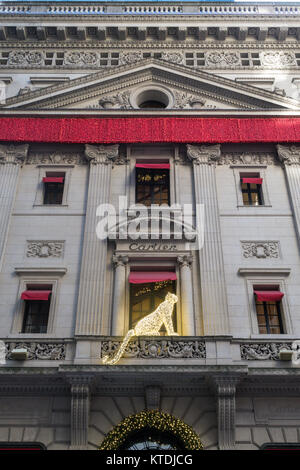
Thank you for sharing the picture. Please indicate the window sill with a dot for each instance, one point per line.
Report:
(50, 205)
(254, 207)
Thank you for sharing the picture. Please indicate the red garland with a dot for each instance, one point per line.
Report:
(149, 130)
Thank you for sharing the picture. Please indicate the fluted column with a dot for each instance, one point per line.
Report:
(289, 155)
(118, 319)
(212, 276)
(80, 410)
(11, 159)
(93, 267)
(186, 293)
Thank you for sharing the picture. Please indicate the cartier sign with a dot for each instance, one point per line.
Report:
(151, 247)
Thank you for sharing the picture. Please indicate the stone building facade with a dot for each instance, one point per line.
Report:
(224, 374)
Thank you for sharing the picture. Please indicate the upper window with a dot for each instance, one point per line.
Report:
(53, 188)
(269, 309)
(251, 189)
(37, 305)
(153, 184)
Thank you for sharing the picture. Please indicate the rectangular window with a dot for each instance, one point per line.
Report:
(251, 185)
(53, 188)
(269, 311)
(37, 300)
(152, 184)
(145, 298)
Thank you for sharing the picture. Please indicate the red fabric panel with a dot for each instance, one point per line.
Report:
(149, 129)
(140, 277)
(252, 180)
(155, 166)
(35, 295)
(53, 179)
(268, 295)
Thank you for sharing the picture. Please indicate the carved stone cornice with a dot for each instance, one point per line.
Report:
(101, 154)
(120, 260)
(13, 154)
(288, 154)
(204, 154)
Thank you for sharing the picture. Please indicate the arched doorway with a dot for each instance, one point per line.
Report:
(151, 430)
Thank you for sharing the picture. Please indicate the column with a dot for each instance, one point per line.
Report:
(94, 255)
(80, 410)
(225, 388)
(186, 293)
(212, 276)
(11, 159)
(118, 319)
(289, 156)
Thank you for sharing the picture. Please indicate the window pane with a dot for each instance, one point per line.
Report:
(36, 316)
(246, 199)
(53, 193)
(152, 186)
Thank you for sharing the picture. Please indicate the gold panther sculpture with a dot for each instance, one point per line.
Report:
(149, 326)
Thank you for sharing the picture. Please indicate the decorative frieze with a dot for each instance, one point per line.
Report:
(45, 249)
(160, 348)
(39, 351)
(263, 351)
(55, 158)
(259, 250)
(247, 159)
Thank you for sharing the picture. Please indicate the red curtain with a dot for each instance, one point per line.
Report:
(268, 295)
(154, 166)
(35, 295)
(53, 179)
(141, 277)
(252, 180)
(149, 130)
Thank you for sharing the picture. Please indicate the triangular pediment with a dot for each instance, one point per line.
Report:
(184, 88)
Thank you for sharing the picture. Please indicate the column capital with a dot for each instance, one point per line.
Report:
(101, 154)
(204, 154)
(119, 260)
(288, 154)
(185, 260)
(14, 154)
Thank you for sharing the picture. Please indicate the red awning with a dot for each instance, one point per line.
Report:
(154, 166)
(52, 179)
(35, 295)
(141, 277)
(268, 295)
(252, 180)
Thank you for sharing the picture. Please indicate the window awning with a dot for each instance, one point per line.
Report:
(153, 166)
(268, 295)
(141, 277)
(35, 295)
(52, 179)
(252, 180)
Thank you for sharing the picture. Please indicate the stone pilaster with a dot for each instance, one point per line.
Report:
(118, 316)
(225, 388)
(213, 287)
(186, 293)
(11, 159)
(80, 410)
(93, 267)
(289, 155)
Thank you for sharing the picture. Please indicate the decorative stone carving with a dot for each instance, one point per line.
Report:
(204, 154)
(39, 351)
(79, 58)
(80, 407)
(175, 57)
(156, 349)
(185, 260)
(101, 154)
(222, 59)
(120, 101)
(260, 249)
(263, 351)
(25, 58)
(120, 260)
(55, 158)
(257, 158)
(13, 154)
(130, 57)
(45, 249)
(277, 59)
(186, 100)
(289, 155)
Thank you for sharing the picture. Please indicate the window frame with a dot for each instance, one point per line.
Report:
(27, 308)
(42, 173)
(244, 170)
(152, 186)
(266, 316)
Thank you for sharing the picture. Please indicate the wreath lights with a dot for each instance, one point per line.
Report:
(160, 421)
